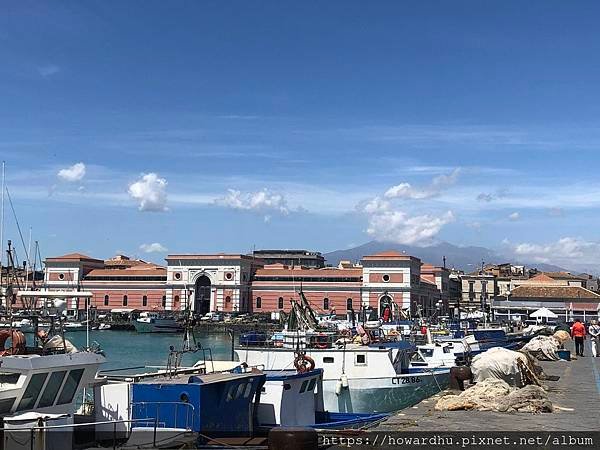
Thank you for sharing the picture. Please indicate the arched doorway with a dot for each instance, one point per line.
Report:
(202, 295)
(385, 303)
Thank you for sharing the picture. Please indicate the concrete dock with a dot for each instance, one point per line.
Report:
(575, 396)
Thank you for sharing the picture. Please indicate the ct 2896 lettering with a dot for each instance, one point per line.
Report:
(405, 380)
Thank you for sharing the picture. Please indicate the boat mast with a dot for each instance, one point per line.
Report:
(2, 228)
(28, 267)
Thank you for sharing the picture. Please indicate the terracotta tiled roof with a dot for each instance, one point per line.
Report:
(541, 279)
(126, 263)
(553, 292)
(71, 256)
(389, 254)
(563, 276)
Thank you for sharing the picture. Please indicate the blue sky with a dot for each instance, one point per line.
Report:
(219, 126)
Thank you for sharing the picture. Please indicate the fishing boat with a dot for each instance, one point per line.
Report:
(152, 322)
(41, 377)
(370, 377)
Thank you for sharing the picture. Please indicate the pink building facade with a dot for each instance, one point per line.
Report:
(242, 283)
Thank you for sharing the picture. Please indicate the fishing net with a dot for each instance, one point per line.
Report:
(562, 336)
(500, 363)
(493, 394)
(544, 348)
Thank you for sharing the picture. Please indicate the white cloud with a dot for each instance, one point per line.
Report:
(397, 226)
(435, 188)
(374, 205)
(514, 216)
(155, 247)
(567, 251)
(48, 70)
(150, 192)
(76, 172)
(389, 222)
(260, 201)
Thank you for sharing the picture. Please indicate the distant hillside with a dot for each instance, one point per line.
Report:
(463, 258)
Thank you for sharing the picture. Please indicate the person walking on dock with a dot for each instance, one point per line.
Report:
(578, 333)
(594, 331)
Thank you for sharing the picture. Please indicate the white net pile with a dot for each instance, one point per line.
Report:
(493, 394)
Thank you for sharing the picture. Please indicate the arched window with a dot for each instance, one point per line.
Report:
(349, 304)
(124, 300)
(227, 299)
(258, 302)
(145, 300)
(280, 302)
(106, 298)
(164, 301)
(326, 303)
(176, 299)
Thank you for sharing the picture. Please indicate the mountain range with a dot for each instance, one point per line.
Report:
(467, 258)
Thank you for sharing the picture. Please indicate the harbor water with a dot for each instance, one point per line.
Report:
(125, 349)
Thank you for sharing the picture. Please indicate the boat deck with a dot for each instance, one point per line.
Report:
(575, 396)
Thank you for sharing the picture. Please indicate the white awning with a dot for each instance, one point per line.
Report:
(123, 310)
(55, 294)
(543, 312)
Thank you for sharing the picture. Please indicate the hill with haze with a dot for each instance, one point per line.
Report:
(467, 258)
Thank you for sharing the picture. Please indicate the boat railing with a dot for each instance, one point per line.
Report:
(175, 358)
(202, 363)
(37, 433)
(169, 410)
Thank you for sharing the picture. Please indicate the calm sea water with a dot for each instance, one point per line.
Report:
(129, 348)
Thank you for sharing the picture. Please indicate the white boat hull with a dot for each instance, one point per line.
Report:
(381, 395)
(373, 385)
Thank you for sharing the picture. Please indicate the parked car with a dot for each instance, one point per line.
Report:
(211, 317)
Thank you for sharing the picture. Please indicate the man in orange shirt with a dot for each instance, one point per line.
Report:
(578, 333)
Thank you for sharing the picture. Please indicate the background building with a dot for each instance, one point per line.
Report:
(245, 283)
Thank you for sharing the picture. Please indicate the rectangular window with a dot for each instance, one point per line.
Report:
(52, 388)
(106, 300)
(9, 378)
(6, 405)
(258, 302)
(164, 301)
(70, 387)
(124, 300)
(280, 303)
(361, 359)
(32, 391)
(328, 360)
(145, 300)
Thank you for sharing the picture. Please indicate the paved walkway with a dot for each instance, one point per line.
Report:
(576, 398)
